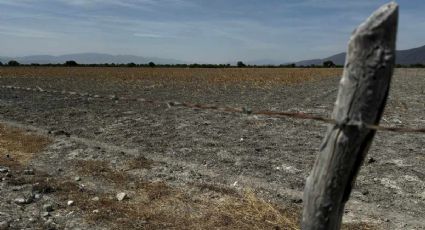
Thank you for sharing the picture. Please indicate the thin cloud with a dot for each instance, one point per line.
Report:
(202, 31)
(143, 35)
(27, 33)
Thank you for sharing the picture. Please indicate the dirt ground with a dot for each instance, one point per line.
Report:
(65, 157)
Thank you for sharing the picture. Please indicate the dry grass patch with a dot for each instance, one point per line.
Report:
(217, 188)
(156, 205)
(157, 77)
(100, 170)
(251, 212)
(18, 147)
(140, 162)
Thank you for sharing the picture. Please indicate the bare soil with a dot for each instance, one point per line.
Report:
(192, 169)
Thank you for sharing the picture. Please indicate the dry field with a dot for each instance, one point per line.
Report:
(191, 169)
(250, 77)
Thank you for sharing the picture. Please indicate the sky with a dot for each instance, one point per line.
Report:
(202, 31)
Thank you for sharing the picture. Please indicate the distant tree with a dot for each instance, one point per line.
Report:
(13, 63)
(292, 65)
(240, 64)
(35, 64)
(151, 64)
(71, 63)
(417, 65)
(1, 63)
(131, 64)
(329, 64)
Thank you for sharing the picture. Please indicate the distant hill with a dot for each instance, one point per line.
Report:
(90, 58)
(403, 57)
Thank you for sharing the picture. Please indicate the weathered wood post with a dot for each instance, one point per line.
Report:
(361, 100)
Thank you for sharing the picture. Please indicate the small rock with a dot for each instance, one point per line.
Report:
(70, 202)
(397, 121)
(371, 160)
(121, 196)
(386, 220)
(96, 211)
(96, 198)
(365, 192)
(206, 123)
(77, 178)
(45, 214)
(48, 207)
(37, 196)
(22, 201)
(4, 170)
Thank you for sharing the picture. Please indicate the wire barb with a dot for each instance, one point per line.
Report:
(242, 110)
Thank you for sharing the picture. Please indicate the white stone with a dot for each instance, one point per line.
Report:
(121, 196)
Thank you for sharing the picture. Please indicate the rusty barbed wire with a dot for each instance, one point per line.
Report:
(241, 110)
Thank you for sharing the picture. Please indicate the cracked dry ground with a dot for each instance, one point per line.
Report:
(192, 169)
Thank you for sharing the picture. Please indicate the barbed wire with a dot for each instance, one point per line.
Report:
(241, 110)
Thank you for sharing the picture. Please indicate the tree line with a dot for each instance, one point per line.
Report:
(239, 64)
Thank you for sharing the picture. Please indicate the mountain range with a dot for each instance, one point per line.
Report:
(403, 57)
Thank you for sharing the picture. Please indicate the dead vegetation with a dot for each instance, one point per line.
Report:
(139, 162)
(254, 77)
(156, 205)
(99, 170)
(18, 147)
(152, 204)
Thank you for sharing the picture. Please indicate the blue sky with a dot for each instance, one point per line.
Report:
(213, 31)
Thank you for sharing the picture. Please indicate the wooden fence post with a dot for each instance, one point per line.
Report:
(361, 100)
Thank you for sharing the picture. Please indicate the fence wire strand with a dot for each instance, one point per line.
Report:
(241, 110)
